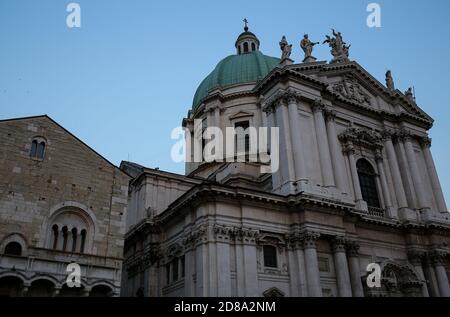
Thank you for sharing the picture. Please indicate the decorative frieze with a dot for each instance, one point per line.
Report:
(364, 137)
(350, 89)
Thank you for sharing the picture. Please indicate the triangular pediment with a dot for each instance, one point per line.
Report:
(241, 114)
(350, 83)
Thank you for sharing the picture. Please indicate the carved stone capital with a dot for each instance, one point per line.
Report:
(416, 257)
(330, 114)
(404, 135)
(437, 257)
(245, 235)
(425, 142)
(294, 241)
(309, 239)
(352, 248)
(292, 96)
(222, 233)
(197, 235)
(387, 135)
(378, 155)
(349, 149)
(338, 244)
(318, 106)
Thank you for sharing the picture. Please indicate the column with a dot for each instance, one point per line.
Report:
(276, 176)
(250, 269)
(212, 269)
(360, 203)
(438, 261)
(240, 273)
(201, 268)
(286, 159)
(384, 184)
(434, 179)
(322, 140)
(312, 265)
(297, 267)
(189, 271)
(417, 178)
(294, 124)
(223, 264)
(301, 270)
(293, 270)
(335, 150)
(415, 257)
(341, 267)
(354, 268)
(405, 172)
(395, 171)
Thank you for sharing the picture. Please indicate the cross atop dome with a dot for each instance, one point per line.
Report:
(246, 25)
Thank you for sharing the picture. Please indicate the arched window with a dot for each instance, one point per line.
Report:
(83, 240)
(253, 47)
(70, 229)
(270, 256)
(367, 181)
(65, 236)
(239, 50)
(74, 239)
(13, 248)
(37, 149)
(55, 230)
(33, 148)
(245, 47)
(40, 150)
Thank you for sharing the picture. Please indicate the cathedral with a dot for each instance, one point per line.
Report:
(353, 207)
(356, 187)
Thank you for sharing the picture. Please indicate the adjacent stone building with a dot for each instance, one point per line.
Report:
(356, 185)
(60, 202)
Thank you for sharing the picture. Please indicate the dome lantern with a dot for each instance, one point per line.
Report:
(247, 42)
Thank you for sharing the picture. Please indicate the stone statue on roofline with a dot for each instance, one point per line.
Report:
(307, 47)
(409, 94)
(339, 49)
(286, 50)
(389, 81)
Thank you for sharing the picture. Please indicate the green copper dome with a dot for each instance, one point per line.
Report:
(236, 69)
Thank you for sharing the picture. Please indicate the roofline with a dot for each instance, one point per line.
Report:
(68, 132)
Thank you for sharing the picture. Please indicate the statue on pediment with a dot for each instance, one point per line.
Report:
(339, 49)
(410, 95)
(286, 48)
(307, 47)
(389, 81)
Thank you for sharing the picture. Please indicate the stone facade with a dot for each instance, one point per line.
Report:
(356, 185)
(59, 204)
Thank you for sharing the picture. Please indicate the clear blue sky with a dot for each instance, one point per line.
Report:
(127, 77)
